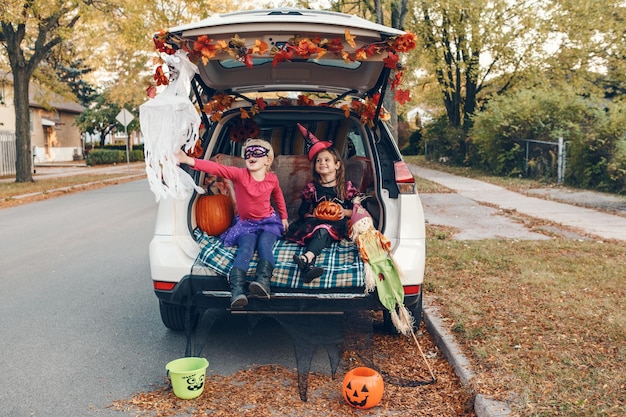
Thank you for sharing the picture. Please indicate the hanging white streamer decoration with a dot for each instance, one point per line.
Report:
(168, 122)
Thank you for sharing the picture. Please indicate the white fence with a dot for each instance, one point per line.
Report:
(7, 153)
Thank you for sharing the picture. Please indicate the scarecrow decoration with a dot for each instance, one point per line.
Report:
(168, 122)
(381, 271)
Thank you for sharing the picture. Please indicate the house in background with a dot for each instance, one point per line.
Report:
(54, 136)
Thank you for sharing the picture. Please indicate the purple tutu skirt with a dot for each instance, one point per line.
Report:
(271, 224)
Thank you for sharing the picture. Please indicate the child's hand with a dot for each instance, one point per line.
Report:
(285, 224)
(182, 158)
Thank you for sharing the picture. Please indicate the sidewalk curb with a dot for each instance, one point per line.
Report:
(483, 406)
(76, 186)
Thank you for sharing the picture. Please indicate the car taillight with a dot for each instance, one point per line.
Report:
(412, 289)
(164, 286)
(404, 178)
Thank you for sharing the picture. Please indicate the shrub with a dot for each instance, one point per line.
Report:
(509, 129)
(414, 145)
(442, 142)
(598, 160)
(112, 156)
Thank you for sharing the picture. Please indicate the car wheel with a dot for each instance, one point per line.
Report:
(174, 316)
(416, 312)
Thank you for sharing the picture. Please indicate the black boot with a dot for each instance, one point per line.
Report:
(237, 280)
(261, 286)
(308, 269)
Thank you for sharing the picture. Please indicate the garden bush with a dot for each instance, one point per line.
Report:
(593, 132)
(444, 143)
(112, 156)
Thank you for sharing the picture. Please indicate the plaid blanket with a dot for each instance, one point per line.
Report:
(341, 262)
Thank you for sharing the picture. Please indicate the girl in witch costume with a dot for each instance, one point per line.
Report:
(320, 223)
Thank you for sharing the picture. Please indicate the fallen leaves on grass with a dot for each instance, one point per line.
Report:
(541, 321)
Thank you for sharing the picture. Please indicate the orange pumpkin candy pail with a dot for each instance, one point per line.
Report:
(363, 387)
(328, 210)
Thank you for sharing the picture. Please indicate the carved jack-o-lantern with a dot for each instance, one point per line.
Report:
(214, 213)
(328, 210)
(363, 387)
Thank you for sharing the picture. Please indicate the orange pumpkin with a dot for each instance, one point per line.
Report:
(363, 387)
(214, 213)
(328, 210)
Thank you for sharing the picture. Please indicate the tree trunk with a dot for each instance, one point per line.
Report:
(23, 151)
(103, 134)
(398, 15)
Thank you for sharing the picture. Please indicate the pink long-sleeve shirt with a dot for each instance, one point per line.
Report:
(253, 197)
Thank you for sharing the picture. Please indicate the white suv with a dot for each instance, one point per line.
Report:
(260, 73)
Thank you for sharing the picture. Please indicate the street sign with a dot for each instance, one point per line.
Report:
(124, 117)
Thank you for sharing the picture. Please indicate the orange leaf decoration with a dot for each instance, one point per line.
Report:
(371, 50)
(160, 77)
(247, 60)
(360, 55)
(346, 110)
(282, 55)
(305, 101)
(203, 48)
(259, 48)
(402, 96)
(349, 38)
(391, 61)
(396, 80)
(334, 45)
(197, 150)
(260, 104)
(206, 48)
(405, 43)
(224, 100)
(306, 48)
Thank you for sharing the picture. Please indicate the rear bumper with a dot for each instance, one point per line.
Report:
(213, 292)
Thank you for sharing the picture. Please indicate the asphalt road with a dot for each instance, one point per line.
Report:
(79, 323)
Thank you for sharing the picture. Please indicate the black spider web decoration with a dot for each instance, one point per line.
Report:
(335, 333)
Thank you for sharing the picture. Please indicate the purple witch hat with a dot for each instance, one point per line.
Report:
(312, 144)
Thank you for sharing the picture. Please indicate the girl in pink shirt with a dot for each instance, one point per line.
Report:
(257, 226)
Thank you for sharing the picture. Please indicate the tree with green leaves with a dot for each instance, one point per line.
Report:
(29, 31)
(100, 118)
(122, 48)
(471, 47)
(112, 36)
(70, 68)
(513, 135)
(392, 13)
(588, 39)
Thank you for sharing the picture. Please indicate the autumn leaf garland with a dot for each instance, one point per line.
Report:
(204, 49)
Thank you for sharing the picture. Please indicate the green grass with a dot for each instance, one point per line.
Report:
(512, 183)
(542, 321)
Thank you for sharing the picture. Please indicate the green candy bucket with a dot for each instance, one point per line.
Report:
(187, 376)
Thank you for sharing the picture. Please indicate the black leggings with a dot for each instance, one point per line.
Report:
(320, 240)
